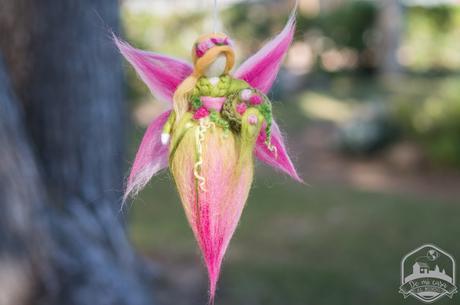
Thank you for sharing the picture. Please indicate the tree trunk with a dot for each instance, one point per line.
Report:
(390, 25)
(67, 75)
(23, 240)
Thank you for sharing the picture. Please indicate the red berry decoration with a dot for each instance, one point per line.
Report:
(241, 108)
(256, 100)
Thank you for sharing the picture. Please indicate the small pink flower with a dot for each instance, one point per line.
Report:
(201, 112)
(255, 100)
(199, 52)
(219, 40)
(246, 94)
(252, 119)
(208, 44)
(204, 46)
(241, 108)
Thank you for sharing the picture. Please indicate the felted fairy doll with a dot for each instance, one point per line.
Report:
(218, 121)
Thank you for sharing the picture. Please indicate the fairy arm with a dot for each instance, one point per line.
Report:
(255, 99)
(167, 128)
(270, 147)
(260, 72)
(252, 122)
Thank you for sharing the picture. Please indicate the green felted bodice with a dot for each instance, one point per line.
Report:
(226, 86)
(230, 88)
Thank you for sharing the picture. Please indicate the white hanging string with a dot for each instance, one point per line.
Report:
(215, 16)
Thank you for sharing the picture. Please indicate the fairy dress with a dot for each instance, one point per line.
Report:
(212, 165)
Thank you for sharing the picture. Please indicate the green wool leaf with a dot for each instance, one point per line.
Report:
(216, 119)
(266, 110)
(196, 103)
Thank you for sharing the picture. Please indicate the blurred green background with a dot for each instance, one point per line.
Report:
(369, 97)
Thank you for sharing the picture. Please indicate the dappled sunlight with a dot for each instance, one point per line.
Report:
(335, 60)
(300, 59)
(325, 107)
(310, 7)
(369, 177)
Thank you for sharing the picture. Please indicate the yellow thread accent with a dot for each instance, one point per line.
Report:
(200, 132)
(273, 149)
(197, 166)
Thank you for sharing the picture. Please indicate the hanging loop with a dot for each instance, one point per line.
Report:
(215, 16)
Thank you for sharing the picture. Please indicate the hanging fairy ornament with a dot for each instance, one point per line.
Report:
(217, 122)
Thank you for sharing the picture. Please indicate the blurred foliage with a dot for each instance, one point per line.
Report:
(427, 41)
(370, 130)
(350, 25)
(251, 23)
(428, 110)
(363, 123)
(430, 38)
(369, 113)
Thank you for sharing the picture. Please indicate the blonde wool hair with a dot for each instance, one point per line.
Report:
(182, 95)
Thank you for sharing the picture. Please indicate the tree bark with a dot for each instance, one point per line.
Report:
(67, 76)
(22, 258)
(390, 26)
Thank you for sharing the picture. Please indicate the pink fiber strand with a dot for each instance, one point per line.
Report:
(279, 158)
(260, 70)
(151, 157)
(220, 210)
(162, 74)
(213, 213)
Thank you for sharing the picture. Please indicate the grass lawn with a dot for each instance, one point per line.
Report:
(304, 244)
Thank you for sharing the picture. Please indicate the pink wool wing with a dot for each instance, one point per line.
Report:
(279, 159)
(162, 74)
(260, 70)
(151, 157)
